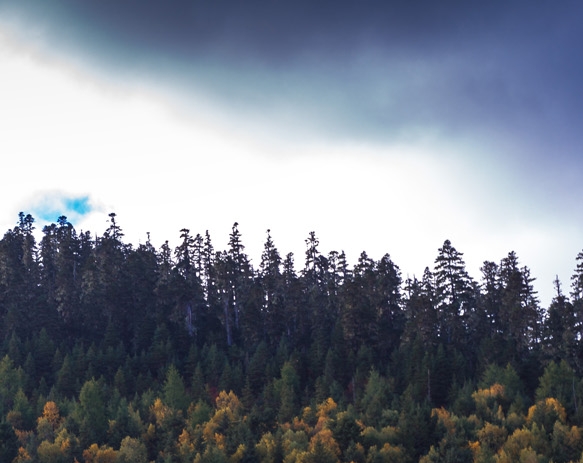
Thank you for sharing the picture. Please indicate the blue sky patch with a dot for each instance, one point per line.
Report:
(78, 205)
(49, 206)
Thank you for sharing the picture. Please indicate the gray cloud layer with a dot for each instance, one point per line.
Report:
(378, 65)
(498, 73)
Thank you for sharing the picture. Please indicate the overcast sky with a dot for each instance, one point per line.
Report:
(384, 126)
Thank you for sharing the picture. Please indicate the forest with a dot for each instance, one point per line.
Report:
(112, 353)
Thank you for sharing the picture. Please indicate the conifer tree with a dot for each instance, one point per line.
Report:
(272, 287)
(454, 294)
(421, 318)
(519, 311)
(559, 335)
(388, 303)
(189, 305)
(174, 391)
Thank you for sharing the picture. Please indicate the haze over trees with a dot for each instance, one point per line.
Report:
(116, 353)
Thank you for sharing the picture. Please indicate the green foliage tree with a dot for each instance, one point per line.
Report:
(8, 443)
(287, 387)
(454, 295)
(421, 317)
(273, 289)
(175, 395)
(375, 353)
(91, 413)
(132, 450)
(559, 329)
(376, 398)
(519, 311)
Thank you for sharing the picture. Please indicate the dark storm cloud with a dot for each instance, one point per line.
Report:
(271, 30)
(380, 69)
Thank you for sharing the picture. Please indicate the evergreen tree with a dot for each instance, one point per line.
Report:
(488, 324)
(388, 303)
(559, 336)
(189, 310)
(272, 287)
(358, 314)
(21, 298)
(421, 317)
(454, 294)
(142, 275)
(295, 314)
(8, 443)
(520, 314)
(174, 391)
(321, 314)
(91, 413)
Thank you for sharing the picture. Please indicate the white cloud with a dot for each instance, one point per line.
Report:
(161, 168)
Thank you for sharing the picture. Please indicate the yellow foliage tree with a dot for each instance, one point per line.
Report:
(519, 440)
(23, 456)
(226, 429)
(186, 445)
(387, 454)
(325, 412)
(228, 401)
(59, 451)
(266, 448)
(160, 411)
(545, 413)
(96, 454)
(49, 422)
(492, 437)
(488, 400)
(52, 414)
(326, 439)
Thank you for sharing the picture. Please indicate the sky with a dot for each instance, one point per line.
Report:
(385, 127)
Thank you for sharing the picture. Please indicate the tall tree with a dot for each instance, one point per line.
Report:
(388, 303)
(104, 294)
(142, 275)
(315, 280)
(189, 308)
(272, 285)
(520, 313)
(20, 295)
(454, 294)
(488, 325)
(559, 329)
(577, 302)
(295, 314)
(421, 320)
(234, 277)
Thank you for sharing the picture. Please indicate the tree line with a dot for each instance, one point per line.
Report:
(116, 353)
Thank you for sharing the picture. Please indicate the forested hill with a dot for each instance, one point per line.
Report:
(115, 353)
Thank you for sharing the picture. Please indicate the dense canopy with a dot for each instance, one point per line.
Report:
(116, 353)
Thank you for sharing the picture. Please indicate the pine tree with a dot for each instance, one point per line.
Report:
(91, 413)
(559, 336)
(519, 311)
(189, 309)
(488, 324)
(421, 317)
(388, 303)
(272, 285)
(295, 313)
(454, 294)
(174, 391)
